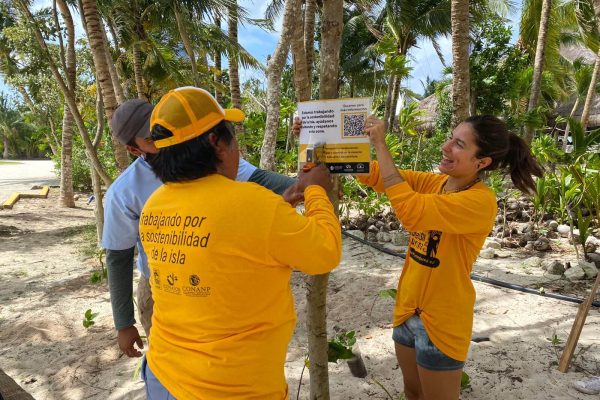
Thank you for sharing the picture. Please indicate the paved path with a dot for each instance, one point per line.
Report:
(21, 175)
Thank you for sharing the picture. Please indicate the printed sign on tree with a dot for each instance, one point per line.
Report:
(333, 133)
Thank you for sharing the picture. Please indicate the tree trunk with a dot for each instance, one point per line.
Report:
(114, 76)
(118, 68)
(310, 11)
(591, 93)
(218, 68)
(274, 70)
(538, 66)
(395, 96)
(68, 95)
(137, 71)
(98, 46)
(52, 140)
(316, 296)
(566, 135)
(187, 43)
(299, 54)
(388, 101)
(66, 158)
(234, 77)
(460, 61)
(6, 144)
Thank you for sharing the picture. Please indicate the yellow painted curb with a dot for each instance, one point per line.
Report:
(42, 194)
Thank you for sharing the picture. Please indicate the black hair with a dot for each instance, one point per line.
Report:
(507, 151)
(189, 160)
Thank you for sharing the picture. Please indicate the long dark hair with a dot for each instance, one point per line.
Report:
(189, 160)
(507, 151)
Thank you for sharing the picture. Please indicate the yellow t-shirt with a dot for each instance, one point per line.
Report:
(447, 233)
(221, 254)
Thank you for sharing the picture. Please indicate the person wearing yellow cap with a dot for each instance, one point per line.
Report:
(221, 253)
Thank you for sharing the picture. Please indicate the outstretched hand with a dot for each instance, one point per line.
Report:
(126, 338)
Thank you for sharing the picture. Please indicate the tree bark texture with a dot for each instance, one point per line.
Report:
(331, 35)
(69, 96)
(299, 54)
(66, 157)
(137, 71)
(461, 84)
(96, 34)
(387, 111)
(395, 96)
(274, 70)
(538, 65)
(310, 12)
(114, 76)
(234, 75)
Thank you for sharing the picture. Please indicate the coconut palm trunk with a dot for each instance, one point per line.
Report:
(388, 101)
(538, 65)
(114, 76)
(461, 83)
(299, 53)
(275, 67)
(591, 93)
(66, 156)
(316, 308)
(310, 12)
(95, 33)
(234, 75)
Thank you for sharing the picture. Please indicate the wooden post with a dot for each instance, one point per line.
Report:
(567, 355)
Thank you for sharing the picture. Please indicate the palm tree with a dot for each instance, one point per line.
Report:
(587, 12)
(461, 84)
(69, 66)
(407, 21)
(332, 24)
(96, 34)
(538, 66)
(275, 66)
(580, 83)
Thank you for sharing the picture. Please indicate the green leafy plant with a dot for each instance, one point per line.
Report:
(99, 276)
(388, 293)
(340, 347)
(88, 318)
(465, 381)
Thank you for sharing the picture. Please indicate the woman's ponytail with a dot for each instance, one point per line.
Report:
(522, 165)
(506, 150)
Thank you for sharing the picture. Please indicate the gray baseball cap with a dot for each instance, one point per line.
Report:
(132, 119)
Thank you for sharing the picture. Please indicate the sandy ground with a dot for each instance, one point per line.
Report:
(45, 290)
(21, 175)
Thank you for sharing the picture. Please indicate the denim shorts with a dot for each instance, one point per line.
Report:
(154, 389)
(412, 334)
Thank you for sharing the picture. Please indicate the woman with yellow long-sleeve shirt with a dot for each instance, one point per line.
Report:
(449, 216)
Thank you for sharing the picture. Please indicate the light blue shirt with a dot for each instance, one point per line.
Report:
(124, 201)
(245, 171)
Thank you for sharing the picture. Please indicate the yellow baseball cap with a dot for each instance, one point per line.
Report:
(188, 112)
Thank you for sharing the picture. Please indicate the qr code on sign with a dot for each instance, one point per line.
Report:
(354, 125)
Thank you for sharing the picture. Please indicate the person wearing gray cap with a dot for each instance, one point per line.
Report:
(124, 201)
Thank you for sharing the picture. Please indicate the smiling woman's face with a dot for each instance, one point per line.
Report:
(458, 153)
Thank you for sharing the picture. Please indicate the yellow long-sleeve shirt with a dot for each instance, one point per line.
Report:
(447, 233)
(221, 254)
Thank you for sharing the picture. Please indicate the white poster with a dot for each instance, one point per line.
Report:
(333, 133)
